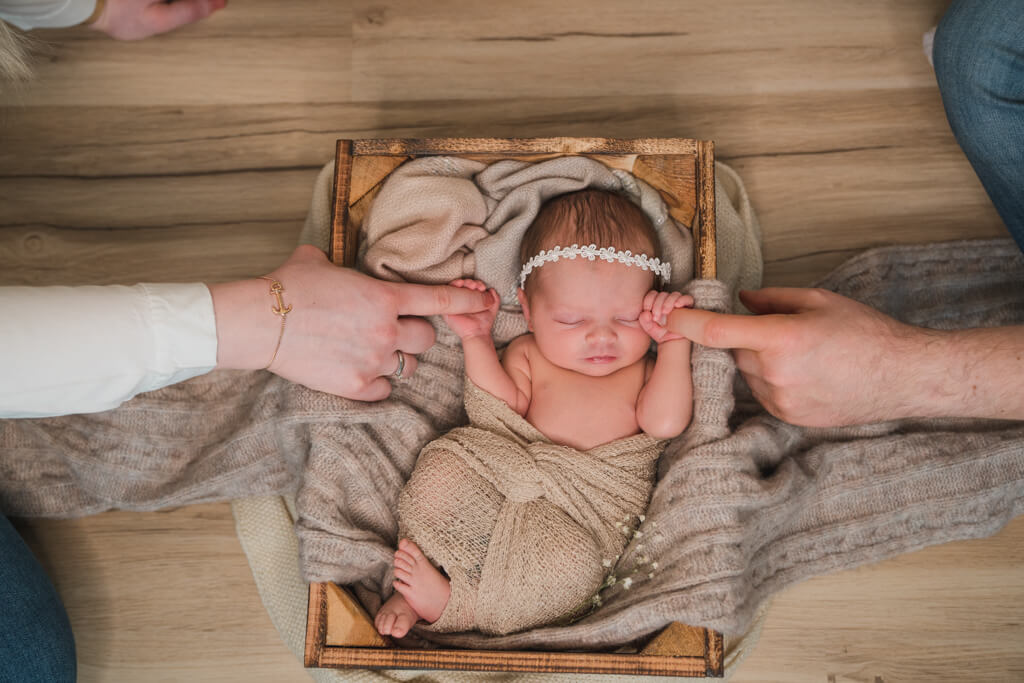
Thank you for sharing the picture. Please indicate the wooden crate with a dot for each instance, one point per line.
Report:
(339, 633)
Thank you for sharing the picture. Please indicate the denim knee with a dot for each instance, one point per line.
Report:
(35, 635)
(979, 60)
(979, 64)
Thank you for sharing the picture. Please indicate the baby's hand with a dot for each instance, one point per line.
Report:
(474, 324)
(657, 305)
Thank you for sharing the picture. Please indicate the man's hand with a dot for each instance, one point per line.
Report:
(137, 19)
(344, 328)
(816, 358)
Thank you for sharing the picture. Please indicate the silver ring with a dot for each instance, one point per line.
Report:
(401, 365)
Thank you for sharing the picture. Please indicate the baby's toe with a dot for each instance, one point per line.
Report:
(403, 623)
(385, 622)
(414, 551)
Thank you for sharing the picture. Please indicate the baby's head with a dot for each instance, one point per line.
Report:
(583, 313)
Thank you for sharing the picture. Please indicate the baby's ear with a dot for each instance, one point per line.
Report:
(525, 303)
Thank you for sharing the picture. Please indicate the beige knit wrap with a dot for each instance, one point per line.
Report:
(526, 529)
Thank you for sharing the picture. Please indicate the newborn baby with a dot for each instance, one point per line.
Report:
(524, 510)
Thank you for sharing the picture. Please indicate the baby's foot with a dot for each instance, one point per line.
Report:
(425, 588)
(395, 617)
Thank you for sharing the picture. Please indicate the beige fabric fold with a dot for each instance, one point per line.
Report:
(526, 529)
(437, 219)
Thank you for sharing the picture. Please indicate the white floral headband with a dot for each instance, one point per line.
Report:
(610, 254)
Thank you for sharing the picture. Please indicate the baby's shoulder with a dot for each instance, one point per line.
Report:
(521, 345)
(519, 353)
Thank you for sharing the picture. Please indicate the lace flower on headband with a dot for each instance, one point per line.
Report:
(591, 252)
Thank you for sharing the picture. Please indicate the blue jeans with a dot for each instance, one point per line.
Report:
(35, 635)
(979, 63)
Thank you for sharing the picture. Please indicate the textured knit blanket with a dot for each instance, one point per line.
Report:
(743, 506)
(526, 529)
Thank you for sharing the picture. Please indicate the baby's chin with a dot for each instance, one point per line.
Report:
(602, 368)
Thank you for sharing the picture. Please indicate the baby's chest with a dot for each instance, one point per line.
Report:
(583, 412)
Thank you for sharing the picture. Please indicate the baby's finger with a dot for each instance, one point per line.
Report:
(685, 301)
(649, 325)
(671, 303)
(649, 299)
(660, 309)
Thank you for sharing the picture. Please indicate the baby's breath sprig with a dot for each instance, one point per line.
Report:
(623, 576)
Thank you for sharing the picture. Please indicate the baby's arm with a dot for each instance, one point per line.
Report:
(482, 363)
(665, 405)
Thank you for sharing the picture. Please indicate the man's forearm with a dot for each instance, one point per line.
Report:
(969, 373)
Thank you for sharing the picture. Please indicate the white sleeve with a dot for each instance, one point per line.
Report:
(86, 349)
(30, 14)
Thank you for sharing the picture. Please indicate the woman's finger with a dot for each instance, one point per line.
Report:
(415, 335)
(407, 365)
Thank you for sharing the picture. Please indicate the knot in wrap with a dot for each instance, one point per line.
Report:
(522, 486)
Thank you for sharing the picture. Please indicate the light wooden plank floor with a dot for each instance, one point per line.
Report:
(191, 156)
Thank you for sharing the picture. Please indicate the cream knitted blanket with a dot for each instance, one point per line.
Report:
(743, 506)
(526, 529)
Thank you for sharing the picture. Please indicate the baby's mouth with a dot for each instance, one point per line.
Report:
(600, 360)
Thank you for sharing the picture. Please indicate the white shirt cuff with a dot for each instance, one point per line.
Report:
(87, 349)
(30, 14)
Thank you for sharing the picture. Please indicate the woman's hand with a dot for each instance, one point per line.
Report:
(137, 19)
(344, 329)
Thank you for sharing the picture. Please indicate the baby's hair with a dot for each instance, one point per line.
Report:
(599, 217)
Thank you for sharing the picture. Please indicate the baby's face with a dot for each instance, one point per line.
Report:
(583, 314)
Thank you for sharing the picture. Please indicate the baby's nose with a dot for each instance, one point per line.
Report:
(600, 334)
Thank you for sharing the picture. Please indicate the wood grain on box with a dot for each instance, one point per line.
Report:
(339, 631)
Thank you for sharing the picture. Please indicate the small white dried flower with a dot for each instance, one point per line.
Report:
(639, 547)
(654, 565)
(626, 583)
(642, 518)
(651, 575)
(606, 563)
(639, 534)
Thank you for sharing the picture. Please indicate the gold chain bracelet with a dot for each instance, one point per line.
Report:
(280, 309)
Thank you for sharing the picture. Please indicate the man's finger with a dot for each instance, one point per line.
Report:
(749, 363)
(781, 299)
(720, 330)
(171, 15)
(438, 299)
